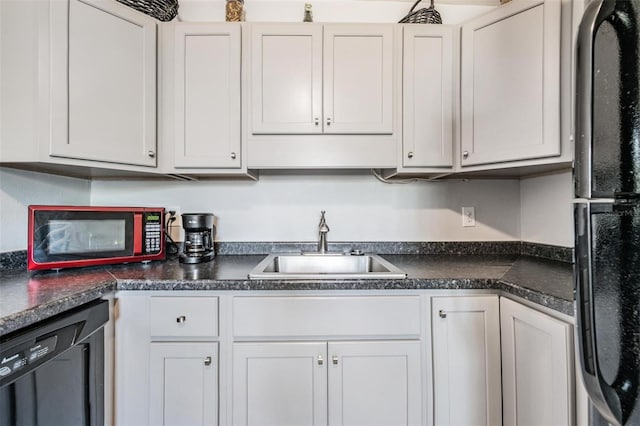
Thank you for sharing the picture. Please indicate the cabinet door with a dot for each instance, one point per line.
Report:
(286, 78)
(183, 384)
(375, 383)
(428, 96)
(103, 76)
(510, 83)
(537, 367)
(280, 383)
(466, 360)
(207, 95)
(358, 79)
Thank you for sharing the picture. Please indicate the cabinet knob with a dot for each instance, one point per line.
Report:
(151, 154)
(233, 155)
(207, 361)
(316, 121)
(181, 319)
(442, 313)
(334, 360)
(328, 121)
(465, 154)
(320, 360)
(410, 155)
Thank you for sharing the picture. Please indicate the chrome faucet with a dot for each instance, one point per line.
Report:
(323, 229)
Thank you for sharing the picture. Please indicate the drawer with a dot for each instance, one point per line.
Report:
(309, 317)
(184, 316)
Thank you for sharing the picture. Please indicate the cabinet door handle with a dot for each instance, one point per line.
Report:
(207, 361)
(233, 155)
(328, 121)
(465, 154)
(334, 360)
(316, 121)
(181, 319)
(442, 313)
(410, 155)
(320, 360)
(151, 154)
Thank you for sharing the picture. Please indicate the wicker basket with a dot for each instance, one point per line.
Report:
(163, 10)
(426, 15)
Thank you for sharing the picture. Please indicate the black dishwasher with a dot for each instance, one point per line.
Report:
(52, 373)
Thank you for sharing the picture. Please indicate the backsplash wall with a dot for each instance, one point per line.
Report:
(18, 189)
(286, 207)
(546, 210)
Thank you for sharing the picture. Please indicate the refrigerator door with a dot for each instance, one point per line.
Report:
(607, 161)
(607, 273)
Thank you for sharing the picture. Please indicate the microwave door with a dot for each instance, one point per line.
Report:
(607, 274)
(608, 100)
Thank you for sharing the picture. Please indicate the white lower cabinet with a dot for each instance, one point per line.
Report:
(366, 358)
(183, 383)
(374, 383)
(280, 383)
(466, 360)
(320, 383)
(537, 367)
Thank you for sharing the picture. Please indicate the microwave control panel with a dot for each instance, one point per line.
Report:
(152, 232)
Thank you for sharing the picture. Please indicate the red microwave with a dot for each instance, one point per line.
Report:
(73, 236)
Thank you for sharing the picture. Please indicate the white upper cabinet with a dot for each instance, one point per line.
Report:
(427, 95)
(510, 83)
(358, 83)
(207, 96)
(103, 82)
(322, 95)
(312, 78)
(286, 78)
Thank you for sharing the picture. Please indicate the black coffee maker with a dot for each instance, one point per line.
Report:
(198, 237)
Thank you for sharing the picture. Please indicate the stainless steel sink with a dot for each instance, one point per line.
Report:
(324, 267)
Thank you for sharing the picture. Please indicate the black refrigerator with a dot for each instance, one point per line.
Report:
(607, 209)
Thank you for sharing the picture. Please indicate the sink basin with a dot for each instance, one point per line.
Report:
(324, 267)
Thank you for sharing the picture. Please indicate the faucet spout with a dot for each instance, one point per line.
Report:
(323, 229)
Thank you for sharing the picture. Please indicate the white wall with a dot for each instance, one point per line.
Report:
(546, 210)
(451, 11)
(283, 207)
(19, 189)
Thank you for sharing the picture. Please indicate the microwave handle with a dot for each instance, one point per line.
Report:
(137, 233)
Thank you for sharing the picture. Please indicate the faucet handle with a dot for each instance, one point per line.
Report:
(323, 223)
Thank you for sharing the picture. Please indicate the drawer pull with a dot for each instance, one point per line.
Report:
(181, 319)
(320, 360)
(207, 361)
(334, 360)
(442, 314)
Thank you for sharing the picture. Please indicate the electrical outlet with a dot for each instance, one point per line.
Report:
(468, 216)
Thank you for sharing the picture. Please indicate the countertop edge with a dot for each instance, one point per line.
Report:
(28, 317)
(109, 283)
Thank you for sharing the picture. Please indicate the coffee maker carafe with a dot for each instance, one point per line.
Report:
(199, 232)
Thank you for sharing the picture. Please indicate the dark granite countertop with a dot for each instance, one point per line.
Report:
(26, 298)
